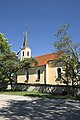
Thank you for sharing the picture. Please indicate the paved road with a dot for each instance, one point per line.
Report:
(30, 108)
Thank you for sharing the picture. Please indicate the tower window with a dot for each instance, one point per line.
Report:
(23, 53)
(27, 53)
(59, 72)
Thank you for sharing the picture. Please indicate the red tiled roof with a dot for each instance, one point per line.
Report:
(43, 59)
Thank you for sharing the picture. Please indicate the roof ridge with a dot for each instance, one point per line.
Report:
(43, 59)
(47, 54)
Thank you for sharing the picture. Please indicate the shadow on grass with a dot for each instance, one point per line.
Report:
(41, 109)
(42, 95)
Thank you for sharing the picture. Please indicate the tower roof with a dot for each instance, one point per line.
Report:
(25, 43)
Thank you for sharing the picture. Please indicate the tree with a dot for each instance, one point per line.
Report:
(4, 46)
(9, 62)
(27, 63)
(70, 57)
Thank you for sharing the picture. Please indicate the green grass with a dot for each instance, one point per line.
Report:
(24, 93)
(36, 94)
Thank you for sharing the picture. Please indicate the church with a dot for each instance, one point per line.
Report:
(45, 72)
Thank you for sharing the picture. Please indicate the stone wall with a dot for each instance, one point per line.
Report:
(53, 89)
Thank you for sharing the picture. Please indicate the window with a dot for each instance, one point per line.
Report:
(23, 53)
(38, 74)
(59, 72)
(27, 75)
(27, 53)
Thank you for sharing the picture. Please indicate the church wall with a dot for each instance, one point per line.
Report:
(48, 75)
(33, 75)
(51, 76)
(51, 73)
(20, 78)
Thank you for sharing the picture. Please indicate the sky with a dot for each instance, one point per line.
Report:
(43, 18)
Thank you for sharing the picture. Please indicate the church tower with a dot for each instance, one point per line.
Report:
(25, 50)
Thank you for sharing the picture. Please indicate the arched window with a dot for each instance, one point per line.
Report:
(27, 53)
(23, 53)
(38, 74)
(59, 72)
(27, 75)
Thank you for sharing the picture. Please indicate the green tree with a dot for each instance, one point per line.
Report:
(4, 46)
(9, 62)
(70, 57)
(27, 63)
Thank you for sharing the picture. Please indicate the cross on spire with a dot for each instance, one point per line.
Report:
(26, 27)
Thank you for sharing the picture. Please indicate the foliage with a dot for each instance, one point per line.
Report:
(4, 47)
(70, 57)
(9, 62)
(27, 63)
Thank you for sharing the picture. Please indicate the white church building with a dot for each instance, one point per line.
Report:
(45, 72)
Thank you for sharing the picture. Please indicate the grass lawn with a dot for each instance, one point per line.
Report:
(36, 94)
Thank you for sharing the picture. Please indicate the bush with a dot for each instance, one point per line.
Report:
(64, 92)
(3, 86)
(78, 96)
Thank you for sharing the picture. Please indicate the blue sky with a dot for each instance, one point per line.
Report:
(43, 18)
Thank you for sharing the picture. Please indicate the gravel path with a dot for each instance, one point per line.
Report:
(29, 108)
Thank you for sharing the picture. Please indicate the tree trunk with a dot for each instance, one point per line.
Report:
(11, 84)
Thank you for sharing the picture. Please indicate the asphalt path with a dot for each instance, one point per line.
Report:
(33, 108)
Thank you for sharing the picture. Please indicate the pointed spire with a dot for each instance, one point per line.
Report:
(25, 43)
